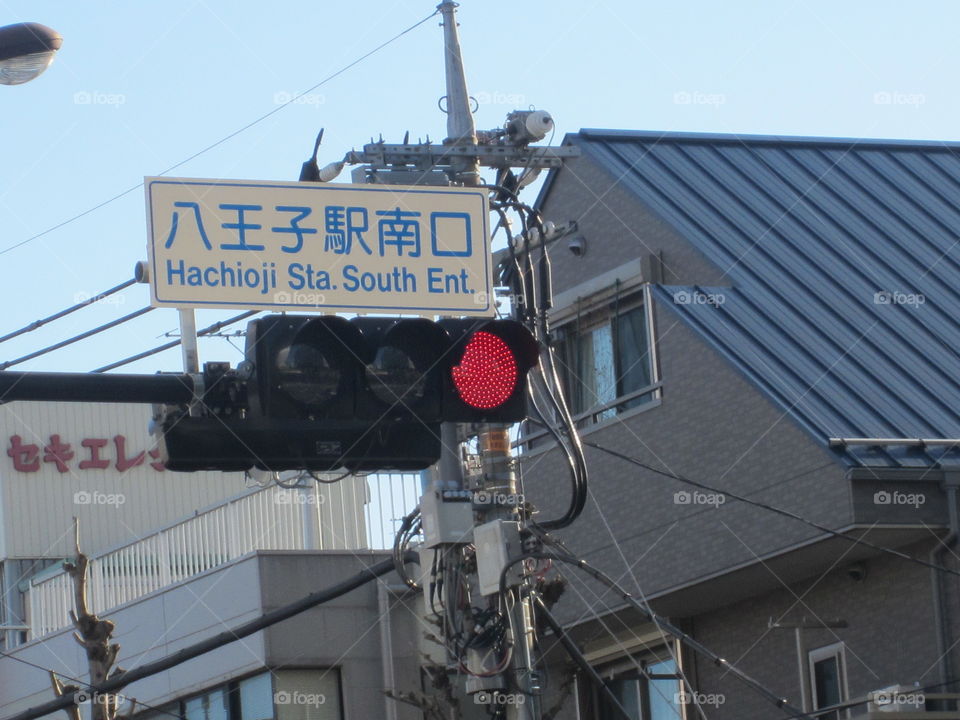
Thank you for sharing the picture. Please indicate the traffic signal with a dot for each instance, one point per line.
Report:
(485, 370)
(323, 392)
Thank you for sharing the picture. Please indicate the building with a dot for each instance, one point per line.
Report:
(775, 318)
(93, 461)
(328, 663)
(179, 557)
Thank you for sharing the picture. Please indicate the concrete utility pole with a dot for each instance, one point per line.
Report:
(500, 521)
(451, 514)
(494, 526)
(460, 127)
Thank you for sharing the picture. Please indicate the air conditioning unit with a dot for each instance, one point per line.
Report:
(897, 699)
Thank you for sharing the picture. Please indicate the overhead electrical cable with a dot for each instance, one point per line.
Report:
(85, 684)
(121, 680)
(36, 324)
(76, 338)
(778, 511)
(661, 623)
(215, 327)
(224, 139)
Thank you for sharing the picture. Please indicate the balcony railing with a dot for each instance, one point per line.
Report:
(353, 514)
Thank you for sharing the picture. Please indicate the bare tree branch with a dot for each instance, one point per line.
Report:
(93, 635)
(59, 689)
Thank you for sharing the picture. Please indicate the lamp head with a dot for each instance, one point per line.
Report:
(26, 50)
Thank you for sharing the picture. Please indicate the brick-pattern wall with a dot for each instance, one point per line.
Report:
(716, 427)
(889, 639)
(712, 426)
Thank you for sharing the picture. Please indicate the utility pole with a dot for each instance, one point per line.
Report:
(450, 514)
(461, 130)
(498, 480)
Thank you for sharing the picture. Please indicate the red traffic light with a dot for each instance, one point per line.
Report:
(486, 370)
(487, 374)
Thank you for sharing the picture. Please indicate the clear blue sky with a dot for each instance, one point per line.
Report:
(139, 87)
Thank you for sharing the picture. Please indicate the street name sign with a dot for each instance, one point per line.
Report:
(417, 250)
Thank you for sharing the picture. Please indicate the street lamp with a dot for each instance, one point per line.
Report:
(26, 50)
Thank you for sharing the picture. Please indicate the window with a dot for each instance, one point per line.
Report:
(606, 357)
(280, 695)
(307, 695)
(256, 698)
(209, 706)
(828, 679)
(653, 694)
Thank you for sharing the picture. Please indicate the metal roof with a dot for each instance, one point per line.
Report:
(843, 258)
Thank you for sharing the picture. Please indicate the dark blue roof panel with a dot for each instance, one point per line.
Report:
(843, 258)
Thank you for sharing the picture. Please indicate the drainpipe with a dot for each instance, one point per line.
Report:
(310, 515)
(951, 482)
(386, 644)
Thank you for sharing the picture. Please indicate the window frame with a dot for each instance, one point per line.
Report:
(625, 669)
(588, 316)
(834, 650)
(231, 690)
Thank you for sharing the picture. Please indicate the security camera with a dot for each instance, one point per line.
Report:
(527, 126)
(857, 572)
(578, 246)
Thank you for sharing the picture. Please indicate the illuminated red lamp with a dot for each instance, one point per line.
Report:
(487, 374)
(486, 371)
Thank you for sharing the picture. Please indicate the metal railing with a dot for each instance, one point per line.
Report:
(597, 413)
(353, 514)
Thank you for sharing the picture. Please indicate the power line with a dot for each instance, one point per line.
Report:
(145, 706)
(222, 140)
(123, 679)
(172, 344)
(778, 511)
(36, 324)
(76, 338)
(662, 624)
(915, 691)
(574, 652)
(697, 513)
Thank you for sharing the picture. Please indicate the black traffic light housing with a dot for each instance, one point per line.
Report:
(324, 392)
(376, 369)
(213, 443)
(485, 370)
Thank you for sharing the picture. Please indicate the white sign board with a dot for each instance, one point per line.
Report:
(415, 250)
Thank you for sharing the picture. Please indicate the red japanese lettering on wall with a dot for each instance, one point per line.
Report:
(92, 454)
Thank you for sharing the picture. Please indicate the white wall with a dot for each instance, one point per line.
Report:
(149, 629)
(38, 502)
